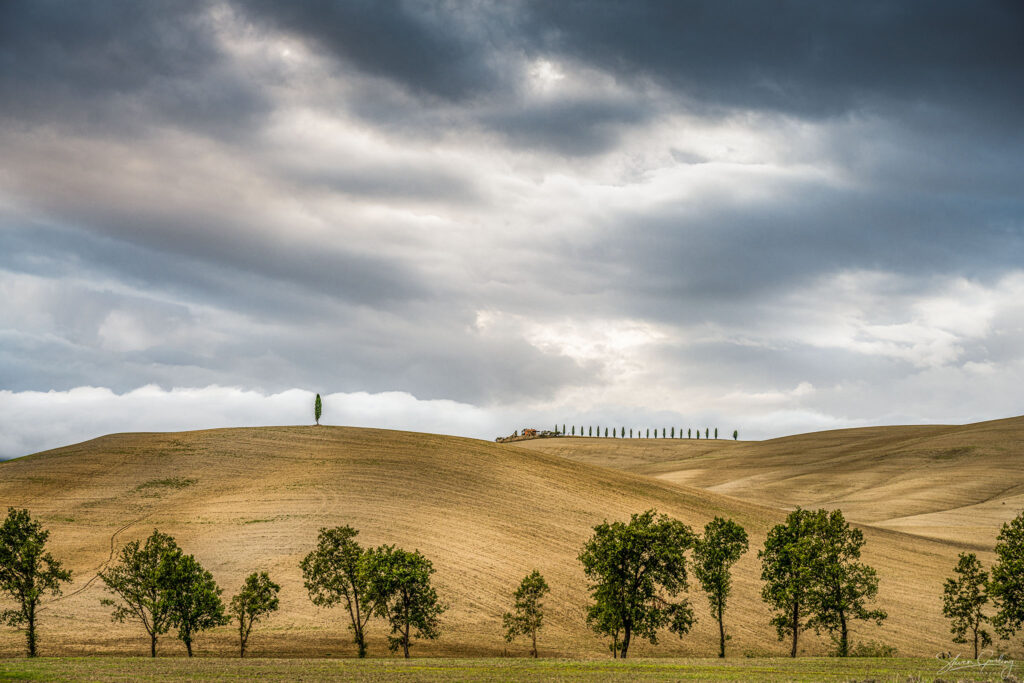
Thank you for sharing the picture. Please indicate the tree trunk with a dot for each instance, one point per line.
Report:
(796, 627)
(30, 634)
(405, 640)
(721, 633)
(975, 643)
(152, 645)
(361, 644)
(844, 636)
(534, 643)
(188, 646)
(625, 642)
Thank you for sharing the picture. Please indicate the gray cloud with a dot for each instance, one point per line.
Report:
(790, 217)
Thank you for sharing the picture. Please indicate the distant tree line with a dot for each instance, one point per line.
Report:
(638, 576)
(641, 433)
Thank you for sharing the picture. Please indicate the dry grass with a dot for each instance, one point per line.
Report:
(486, 514)
(808, 669)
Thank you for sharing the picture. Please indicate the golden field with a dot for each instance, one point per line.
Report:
(486, 514)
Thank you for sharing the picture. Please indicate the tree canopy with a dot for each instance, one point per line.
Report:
(963, 603)
(723, 543)
(1006, 585)
(27, 572)
(335, 573)
(842, 584)
(257, 599)
(636, 571)
(400, 591)
(191, 597)
(135, 579)
(527, 617)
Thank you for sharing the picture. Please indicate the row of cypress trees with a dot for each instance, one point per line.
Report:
(623, 433)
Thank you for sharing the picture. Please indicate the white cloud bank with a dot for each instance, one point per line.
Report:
(32, 421)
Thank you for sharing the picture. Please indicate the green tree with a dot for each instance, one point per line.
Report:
(191, 596)
(722, 544)
(27, 572)
(716, 432)
(334, 573)
(606, 432)
(257, 599)
(573, 430)
(399, 588)
(590, 431)
(527, 619)
(963, 602)
(648, 432)
(635, 570)
(706, 433)
(135, 580)
(689, 433)
(842, 584)
(317, 408)
(1006, 586)
(663, 432)
(673, 434)
(787, 568)
(735, 434)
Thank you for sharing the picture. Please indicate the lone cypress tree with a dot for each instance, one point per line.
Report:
(735, 434)
(317, 409)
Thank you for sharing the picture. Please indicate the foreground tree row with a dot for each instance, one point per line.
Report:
(637, 571)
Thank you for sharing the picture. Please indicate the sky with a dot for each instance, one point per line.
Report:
(470, 217)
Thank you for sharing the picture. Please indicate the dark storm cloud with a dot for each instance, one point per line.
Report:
(435, 49)
(802, 57)
(119, 66)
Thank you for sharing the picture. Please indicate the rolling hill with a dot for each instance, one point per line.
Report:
(957, 483)
(486, 514)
